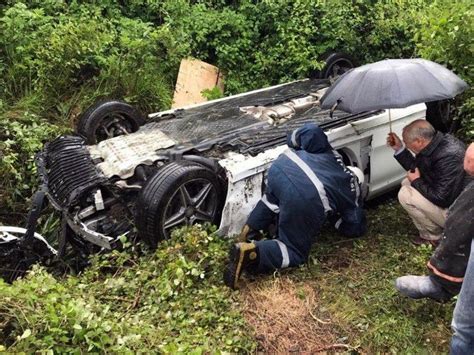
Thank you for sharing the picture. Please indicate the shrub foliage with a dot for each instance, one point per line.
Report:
(172, 300)
(58, 56)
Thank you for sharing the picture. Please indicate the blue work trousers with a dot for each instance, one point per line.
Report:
(299, 223)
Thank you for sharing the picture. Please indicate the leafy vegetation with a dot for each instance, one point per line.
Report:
(172, 300)
(58, 56)
(445, 38)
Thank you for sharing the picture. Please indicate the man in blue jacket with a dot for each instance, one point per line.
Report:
(305, 185)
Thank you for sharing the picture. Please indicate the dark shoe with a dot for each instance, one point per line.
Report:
(417, 287)
(420, 241)
(241, 256)
(434, 243)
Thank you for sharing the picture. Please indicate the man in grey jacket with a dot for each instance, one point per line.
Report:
(435, 176)
(463, 316)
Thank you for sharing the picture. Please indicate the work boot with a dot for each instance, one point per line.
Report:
(247, 235)
(241, 256)
(243, 234)
(417, 287)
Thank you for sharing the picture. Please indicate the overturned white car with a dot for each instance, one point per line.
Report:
(123, 174)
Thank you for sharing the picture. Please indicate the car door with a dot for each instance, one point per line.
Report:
(385, 172)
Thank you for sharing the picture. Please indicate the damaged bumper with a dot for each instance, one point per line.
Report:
(69, 177)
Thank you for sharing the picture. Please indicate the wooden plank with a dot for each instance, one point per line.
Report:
(194, 76)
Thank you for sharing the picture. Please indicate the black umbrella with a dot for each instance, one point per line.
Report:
(392, 83)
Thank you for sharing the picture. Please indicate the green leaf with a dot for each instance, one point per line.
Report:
(26, 334)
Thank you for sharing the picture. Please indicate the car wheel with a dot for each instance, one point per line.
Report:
(438, 114)
(336, 65)
(179, 194)
(107, 119)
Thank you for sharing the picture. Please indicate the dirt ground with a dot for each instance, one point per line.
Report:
(287, 319)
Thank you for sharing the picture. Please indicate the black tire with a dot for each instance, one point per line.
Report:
(336, 65)
(180, 193)
(107, 119)
(438, 113)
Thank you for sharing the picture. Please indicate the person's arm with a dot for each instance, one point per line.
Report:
(353, 222)
(403, 156)
(405, 159)
(451, 256)
(459, 226)
(450, 175)
(265, 211)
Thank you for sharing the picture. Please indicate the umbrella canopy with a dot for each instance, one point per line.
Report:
(392, 83)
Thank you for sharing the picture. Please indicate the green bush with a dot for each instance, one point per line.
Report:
(172, 300)
(57, 56)
(263, 43)
(22, 134)
(61, 50)
(153, 53)
(56, 59)
(22, 32)
(387, 29)
(446, 38)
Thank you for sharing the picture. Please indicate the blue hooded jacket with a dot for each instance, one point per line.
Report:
(317, 172)
(310, 138)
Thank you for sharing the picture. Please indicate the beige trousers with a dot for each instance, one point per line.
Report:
(428, 218)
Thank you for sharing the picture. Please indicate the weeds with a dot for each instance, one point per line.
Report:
(172, 300)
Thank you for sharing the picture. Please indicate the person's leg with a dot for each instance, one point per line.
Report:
(273, 255)
(406, 182)
(428, 218)
(299, 222)
(462, 341)
(417, 287)
(262, 217)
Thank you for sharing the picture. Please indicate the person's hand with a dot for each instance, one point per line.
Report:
(412, 176)
(394, 141)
